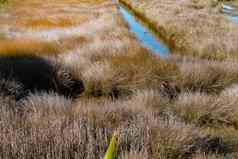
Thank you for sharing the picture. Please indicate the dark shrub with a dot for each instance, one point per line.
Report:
(33, 74)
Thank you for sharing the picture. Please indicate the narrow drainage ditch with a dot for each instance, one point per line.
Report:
(230, 12)
(146, 37)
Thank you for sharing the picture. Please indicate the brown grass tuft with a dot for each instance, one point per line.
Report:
(46, 22)
(26, 46)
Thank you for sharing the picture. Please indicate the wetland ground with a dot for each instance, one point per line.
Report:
(72, 73)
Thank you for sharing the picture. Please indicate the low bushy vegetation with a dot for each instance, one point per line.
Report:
(207, 76)
(54, 126)
(72, 79)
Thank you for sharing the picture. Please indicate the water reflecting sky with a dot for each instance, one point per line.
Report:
(144, 35)
(232, 13)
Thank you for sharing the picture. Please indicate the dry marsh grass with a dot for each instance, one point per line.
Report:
(21, 21)
(205, 110)
(191, 27)
(20, 46)
(65, 90)
(202, 75)
(54, 126)
(41, 23)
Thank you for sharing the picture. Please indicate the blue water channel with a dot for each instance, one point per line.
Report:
(233, 18)
(144, 34)
(231, 13)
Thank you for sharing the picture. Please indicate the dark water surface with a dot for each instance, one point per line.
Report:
(144, 34)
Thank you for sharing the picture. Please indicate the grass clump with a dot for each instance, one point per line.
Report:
(207, 76)
(124, 74)
(209, 111)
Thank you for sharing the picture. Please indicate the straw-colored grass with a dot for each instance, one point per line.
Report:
(67, 84)
(44, 22)
(54, 126)
(29, 27)
(196, 28)
(204, 75)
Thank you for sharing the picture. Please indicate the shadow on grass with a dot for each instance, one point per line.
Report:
(21, 75)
